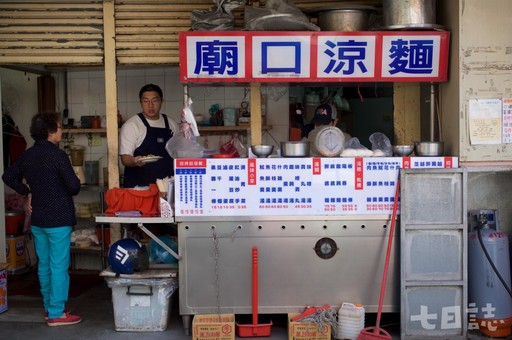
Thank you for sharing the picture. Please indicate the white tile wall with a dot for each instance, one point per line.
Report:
(86, 95)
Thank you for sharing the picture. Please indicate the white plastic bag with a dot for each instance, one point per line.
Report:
(181, 147)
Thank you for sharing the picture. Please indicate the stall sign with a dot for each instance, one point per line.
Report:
(292, 186)
(380, 56)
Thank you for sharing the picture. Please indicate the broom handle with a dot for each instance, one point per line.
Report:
(388, 254)
(254, 285)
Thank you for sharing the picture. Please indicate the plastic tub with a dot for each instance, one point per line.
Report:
(141, 305)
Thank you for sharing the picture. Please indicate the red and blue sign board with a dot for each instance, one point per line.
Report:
(263, 56)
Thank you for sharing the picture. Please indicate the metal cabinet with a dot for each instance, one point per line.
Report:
(433, 251)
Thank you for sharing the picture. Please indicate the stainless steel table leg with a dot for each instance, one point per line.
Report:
(187, 322)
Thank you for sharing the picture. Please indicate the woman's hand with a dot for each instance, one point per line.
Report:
(28, 204)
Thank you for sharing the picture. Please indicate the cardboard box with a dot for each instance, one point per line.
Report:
(213, 326)
(3, 287)
(307, 330)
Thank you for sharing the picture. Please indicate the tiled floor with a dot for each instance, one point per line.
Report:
(24, 320)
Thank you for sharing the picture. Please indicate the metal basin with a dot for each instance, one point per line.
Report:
(430, 149)
(409, 13)
(295, 149)
(402, 150)
(262, 150)
(344, 18)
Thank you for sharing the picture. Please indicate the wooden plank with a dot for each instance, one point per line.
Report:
(54, 5)
(50, 59)
(139, 27)
(27, 44)
(135, 38)
(157, 45)
(147, 53)
(256, 121)
(174, 60)
(50, 36)
(58, 53)
(67, 15)
(78, 21)
(51, 29)
(111, 94)
(150, 16)
(406, 114)
(111, 108)
(147, 30)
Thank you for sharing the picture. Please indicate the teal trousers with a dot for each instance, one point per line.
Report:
(53, 252)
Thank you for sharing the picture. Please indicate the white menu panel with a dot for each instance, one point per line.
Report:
(292, 186)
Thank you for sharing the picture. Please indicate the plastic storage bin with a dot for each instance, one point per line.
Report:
(141, 305)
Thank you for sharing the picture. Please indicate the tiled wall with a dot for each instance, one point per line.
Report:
(86, 96)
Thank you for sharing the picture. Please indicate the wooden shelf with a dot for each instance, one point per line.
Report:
(235, 128)
(77, 131)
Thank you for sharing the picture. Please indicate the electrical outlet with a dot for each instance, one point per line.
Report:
(96, 139)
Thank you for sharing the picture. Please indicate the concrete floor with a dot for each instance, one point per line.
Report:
(24, 320)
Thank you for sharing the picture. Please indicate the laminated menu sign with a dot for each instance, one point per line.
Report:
(292, 186)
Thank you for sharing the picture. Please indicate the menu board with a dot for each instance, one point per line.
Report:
(292, 186)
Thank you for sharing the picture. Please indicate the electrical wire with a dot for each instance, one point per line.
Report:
(492, 263)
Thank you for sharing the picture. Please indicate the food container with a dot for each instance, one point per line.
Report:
(295, 149)
(222, 155)
(14, 221)
(429, 149)
(344, 18)
(402, 150)
(262, 150)
(411, 14)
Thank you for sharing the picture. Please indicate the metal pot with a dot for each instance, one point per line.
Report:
(429, 149)
(344, 18)
(409, 13)
(295, 149)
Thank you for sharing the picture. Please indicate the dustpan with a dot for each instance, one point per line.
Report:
(254, 329)
(377, 333)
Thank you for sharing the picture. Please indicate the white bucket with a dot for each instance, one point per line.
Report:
(350, 321)
(327, 141)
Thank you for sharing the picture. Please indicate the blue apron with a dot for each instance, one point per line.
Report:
(153, 144)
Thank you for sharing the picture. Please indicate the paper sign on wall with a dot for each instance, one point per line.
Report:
(485, 121)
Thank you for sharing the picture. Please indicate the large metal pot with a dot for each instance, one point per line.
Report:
(295, 149)
(409, 13)
(344, 18)
(429, 149)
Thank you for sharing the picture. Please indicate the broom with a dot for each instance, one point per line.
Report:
(376, 333)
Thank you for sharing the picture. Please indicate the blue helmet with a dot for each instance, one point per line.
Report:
(127, 256)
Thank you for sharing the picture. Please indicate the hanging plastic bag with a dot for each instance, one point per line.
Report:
(188, 121)
(180, 146)
(381, 145)
(354, 148)
(234, 147)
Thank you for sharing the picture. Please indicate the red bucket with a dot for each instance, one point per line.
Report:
(14, 221)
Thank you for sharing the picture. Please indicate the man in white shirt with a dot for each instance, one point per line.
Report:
(146, 134)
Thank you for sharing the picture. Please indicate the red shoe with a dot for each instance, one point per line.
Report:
(68, 319)
(66, 311)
